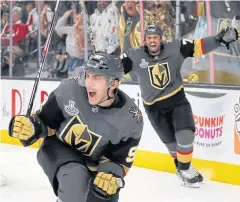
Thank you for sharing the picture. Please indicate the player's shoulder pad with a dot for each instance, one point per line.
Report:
(70, 80)
(135, 50)
(174, 45)
(67, 85)
(173, 42)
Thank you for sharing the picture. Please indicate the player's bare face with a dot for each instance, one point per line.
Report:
(96, 87)
(153, 43)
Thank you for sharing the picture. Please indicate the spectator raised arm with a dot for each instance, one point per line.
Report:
(61, 26)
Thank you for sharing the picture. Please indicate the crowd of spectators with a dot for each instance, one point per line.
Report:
(116, 26)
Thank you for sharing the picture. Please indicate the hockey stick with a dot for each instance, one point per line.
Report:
(82, 3)
(44, 53)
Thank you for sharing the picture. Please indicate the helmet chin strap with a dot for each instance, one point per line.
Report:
(108, 96)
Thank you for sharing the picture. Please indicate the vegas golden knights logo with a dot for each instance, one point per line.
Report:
(159, 75)
(79, 136)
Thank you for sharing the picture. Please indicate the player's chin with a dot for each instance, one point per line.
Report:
(93, 101)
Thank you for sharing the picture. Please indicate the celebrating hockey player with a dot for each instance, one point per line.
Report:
(98, 128)
(158, 68)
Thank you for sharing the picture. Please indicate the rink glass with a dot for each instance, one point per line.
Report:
(70, 49)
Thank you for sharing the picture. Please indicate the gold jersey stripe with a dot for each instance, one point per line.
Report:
(198, 47)
(165, 96)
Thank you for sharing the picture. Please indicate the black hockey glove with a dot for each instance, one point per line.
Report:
(26, 129)
(227, 36)
(105, 185)
(127, 63)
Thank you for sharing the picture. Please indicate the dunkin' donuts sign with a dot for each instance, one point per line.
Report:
(209, 130)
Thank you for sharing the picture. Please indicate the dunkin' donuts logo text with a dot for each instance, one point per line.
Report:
(209, 130)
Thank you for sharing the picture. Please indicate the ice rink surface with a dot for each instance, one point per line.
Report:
(27, 183)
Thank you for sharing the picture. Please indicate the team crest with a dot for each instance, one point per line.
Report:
(136, 114)
(159, 75)
(71, 109)
(79, 136)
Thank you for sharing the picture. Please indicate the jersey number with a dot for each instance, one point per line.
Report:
(184, 41)
(131, 155)
(79, 137)
(159, 75)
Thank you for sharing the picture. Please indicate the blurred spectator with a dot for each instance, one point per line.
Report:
(188, 19)
(129, 26)
(130, 30)
(33, 16)
(161, 13)
(17, 63)
(59, 67)
(224, 9)
(46, 18)
(201, 27)
(20, 30)
(104, 22)
(74, 39)
(4, 6)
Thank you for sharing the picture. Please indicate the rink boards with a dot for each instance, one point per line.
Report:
(216, 115)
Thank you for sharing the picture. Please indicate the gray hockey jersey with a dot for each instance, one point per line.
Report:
(99, 134)
(159, 76)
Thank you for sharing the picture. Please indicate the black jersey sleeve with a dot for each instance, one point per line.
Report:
(119, 158)
(49, 113)
(198, 47)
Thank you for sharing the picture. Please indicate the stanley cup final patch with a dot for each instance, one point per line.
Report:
(136, 114)
(144, 63)
(71, 109)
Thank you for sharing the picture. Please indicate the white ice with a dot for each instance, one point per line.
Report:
(27, 183)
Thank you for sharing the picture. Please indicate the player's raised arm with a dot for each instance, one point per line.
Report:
(198, 47)
(30, 129)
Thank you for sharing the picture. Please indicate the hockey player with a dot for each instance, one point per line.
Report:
(98, 128)
(158, 68)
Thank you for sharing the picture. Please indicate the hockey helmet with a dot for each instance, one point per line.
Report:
(105, 64)
(153, 29)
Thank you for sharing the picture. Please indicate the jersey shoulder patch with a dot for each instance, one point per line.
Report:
(133, 111)
(136, 114)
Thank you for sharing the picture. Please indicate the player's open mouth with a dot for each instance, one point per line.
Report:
(91, 93)
(153, 45)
